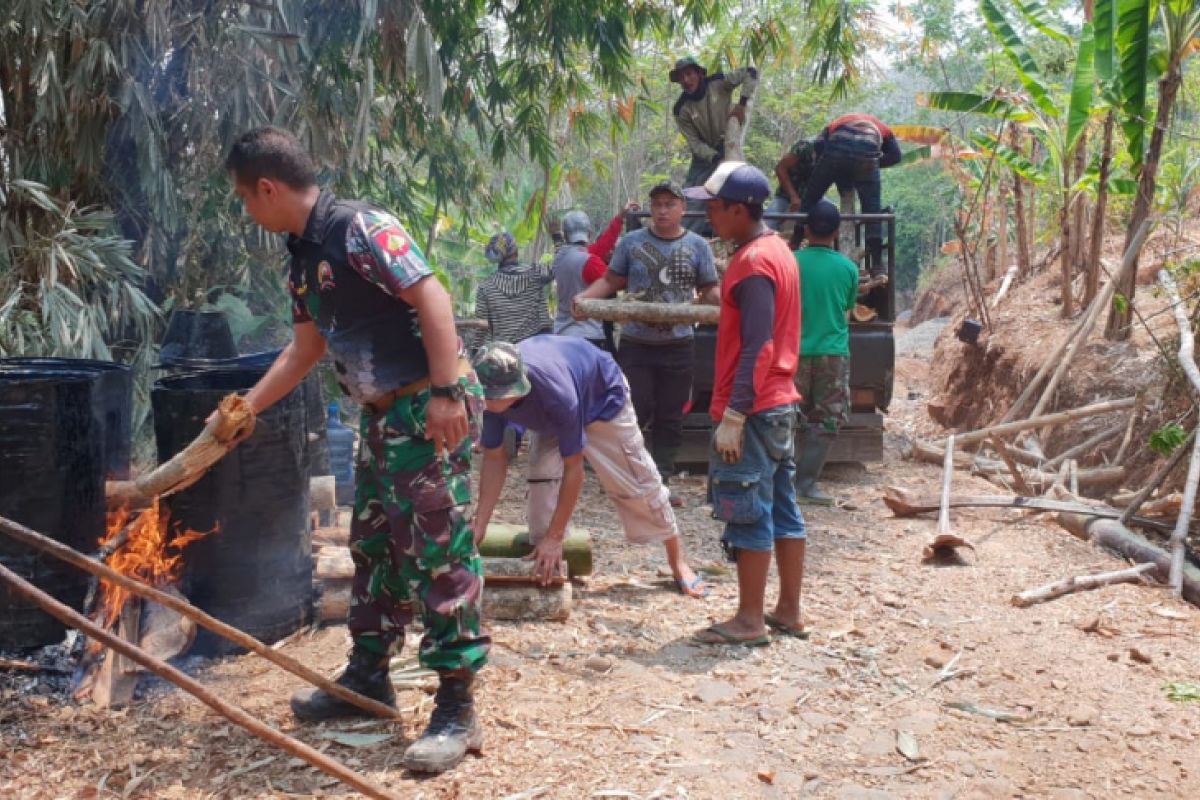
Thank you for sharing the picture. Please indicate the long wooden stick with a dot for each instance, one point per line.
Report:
(1057, 418)
(641, 311)
(1187, 360)
(74, 619)
(75, 558)
(1079, 583)
(1002, 450)
(943, 524)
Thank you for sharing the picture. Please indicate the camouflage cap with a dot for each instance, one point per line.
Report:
(687, 61)
(669, 187)
(501, 371)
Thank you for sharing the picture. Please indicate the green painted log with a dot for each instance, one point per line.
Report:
(512, 541)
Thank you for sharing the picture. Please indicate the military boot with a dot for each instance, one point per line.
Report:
(811, 452)
(453, 729)
(875, 265)
(366, 673)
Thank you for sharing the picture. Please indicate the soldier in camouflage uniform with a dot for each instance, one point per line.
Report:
(828, 291)
(361, 288)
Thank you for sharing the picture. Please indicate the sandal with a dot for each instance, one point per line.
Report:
(695, 588)
(714, 635)
(779, 626)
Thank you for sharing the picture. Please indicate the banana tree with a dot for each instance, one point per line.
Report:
(1179, 26)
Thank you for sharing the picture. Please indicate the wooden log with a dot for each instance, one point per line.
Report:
(74, 619)
(512, 541)
(322, 493)
(232, 419)
(333, 604)
(334, 564)
(1006, 456)
(640, 311)
(1079, 583)
(907, 504)
(1116, 538)
(73, 557)
(1165, 506)
(1057, 418)
(117, 679)
(517, 571)
(165, 633)
(24, 666)
(512, 602)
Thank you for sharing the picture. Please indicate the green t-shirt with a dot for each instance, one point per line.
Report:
(828, 289)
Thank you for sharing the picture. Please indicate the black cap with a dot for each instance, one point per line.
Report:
(670, 187)
(823, 218)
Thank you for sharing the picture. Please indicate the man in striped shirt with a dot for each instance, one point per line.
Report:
(512, 300)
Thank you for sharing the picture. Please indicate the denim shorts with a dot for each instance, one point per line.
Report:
(756, 497)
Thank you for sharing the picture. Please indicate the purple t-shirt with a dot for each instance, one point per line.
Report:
(573, 384)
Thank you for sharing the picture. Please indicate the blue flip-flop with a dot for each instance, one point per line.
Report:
(696, 585)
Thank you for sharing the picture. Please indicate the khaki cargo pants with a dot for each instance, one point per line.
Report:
(616, 452)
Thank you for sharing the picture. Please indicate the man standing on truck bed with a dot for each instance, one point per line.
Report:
(702, 113)
(851, 151)
(751, 470)
(828, 291)
(665, 264)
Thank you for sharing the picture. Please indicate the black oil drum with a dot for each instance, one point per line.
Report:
(51, 480)
(197, 334)
(113, 403)
(255, 571)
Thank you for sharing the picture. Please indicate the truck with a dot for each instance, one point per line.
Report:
(872, 354)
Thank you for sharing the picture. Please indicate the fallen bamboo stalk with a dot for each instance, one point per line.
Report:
(1079, 583)
(1083, 447)
(1187, 360)
(1156, 479)
(74, 619)
(76, 559)
(640, 311)
(905, 504)
(1002, 450)
(1116, 538)
(943, 524)
(1057, 418)
(1096, 477)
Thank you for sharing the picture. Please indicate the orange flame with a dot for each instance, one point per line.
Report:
(151, 554)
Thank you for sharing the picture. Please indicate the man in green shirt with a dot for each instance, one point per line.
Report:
(828, 290)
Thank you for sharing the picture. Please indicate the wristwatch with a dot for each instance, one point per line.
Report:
(454, 391)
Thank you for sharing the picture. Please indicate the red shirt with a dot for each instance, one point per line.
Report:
(775, 368)
(846, 119)
(601, 249)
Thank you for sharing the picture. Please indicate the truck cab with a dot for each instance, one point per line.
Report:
(872, 354)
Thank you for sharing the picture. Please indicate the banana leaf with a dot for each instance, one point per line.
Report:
(1028, 71)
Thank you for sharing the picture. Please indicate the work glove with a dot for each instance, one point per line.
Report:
(728, 439)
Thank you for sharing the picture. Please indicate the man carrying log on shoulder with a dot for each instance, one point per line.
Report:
(661, 264)
(828, 291)
(574, 399)
(751, 469)
(362, 289)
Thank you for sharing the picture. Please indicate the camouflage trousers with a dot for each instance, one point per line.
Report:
(410, 541)
(824, 385)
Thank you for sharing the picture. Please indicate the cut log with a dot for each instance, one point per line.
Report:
(165, 633)
(1116, 538)
(510, 602)
(118, 677)
(640, 311)
(512, 541)
(334, 602)
(1057, 418)
(322, 493)
(334, 564)
(904, 503)
(233, 417)
(1079, 583)
(516, 571)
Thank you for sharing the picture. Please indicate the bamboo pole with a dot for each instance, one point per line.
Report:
(74, 619)
(76, 559)
(1080, 583)
(943, 523)
(1057, 418)
(1187, 361)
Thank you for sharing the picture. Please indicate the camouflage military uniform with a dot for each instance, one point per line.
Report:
(410, 540)
(824, 383)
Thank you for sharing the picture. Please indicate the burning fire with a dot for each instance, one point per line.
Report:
(151, 553)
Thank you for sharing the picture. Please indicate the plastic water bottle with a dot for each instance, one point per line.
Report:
(341, 456)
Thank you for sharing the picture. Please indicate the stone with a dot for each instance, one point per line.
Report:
(1082, 716)
(598, 663)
